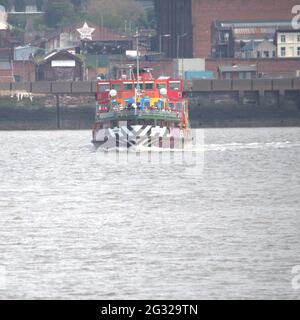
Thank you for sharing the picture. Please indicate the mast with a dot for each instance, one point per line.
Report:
(137, 90)
(137, 62)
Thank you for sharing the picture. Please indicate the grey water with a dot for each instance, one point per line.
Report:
(76, 223)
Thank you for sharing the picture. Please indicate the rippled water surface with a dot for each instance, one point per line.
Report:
(75, 223)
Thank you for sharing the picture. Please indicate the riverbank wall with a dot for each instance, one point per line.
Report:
(77, 112)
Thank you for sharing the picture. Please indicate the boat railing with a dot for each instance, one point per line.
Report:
(155, 114)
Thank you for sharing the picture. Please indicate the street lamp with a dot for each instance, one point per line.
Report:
(178, 42)
(160, 40)
(178, 47)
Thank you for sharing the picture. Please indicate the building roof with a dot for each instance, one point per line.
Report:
(251, 45)
(238, 68)
(255, 24)
(287, 30)
(24, 52)
(53, 55)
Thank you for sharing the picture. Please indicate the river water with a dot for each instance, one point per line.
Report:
(81, 224)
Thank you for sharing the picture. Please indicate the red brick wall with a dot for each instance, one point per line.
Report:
(4, 38)
(6, 76)
(204, 12)
(267, 66)
(25, 69)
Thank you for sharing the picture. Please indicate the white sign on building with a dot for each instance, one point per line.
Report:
(63, 63)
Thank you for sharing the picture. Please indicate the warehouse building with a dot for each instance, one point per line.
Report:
(189, 21)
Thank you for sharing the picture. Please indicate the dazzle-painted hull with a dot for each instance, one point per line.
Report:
(142, 137)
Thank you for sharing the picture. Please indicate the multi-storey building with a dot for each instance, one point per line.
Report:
(288, 43)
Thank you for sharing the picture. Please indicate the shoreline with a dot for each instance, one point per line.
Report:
(35, 127)
(21, 116)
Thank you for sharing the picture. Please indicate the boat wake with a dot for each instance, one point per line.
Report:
(252, 145)
(204, 147)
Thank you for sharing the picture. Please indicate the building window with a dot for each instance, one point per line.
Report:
(227, 75)
(298, 38)
(266, 54)
(282, 52)
(258, 54)
(248, 75)
(273, 53)
(298, 51)
(242, 75)
(17, 78)
(283, 38)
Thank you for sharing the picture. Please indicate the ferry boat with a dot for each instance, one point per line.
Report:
(141, 112)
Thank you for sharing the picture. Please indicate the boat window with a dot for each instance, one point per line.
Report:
(160, 86)
(171, 105)
(141, 86)
(149, 86)
(178, 106)
(128, 86)
(174, 86)
(103, 87)
(116, 86)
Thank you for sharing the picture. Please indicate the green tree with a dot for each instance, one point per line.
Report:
(117, 13)
(59, 11)
(78, 3)
(20, 5)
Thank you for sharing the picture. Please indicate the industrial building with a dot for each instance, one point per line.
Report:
(240, 39)
(189, 21)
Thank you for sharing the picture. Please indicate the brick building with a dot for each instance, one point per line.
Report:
(61, 65)
(266, 68)
(195, 17)
(237, 72)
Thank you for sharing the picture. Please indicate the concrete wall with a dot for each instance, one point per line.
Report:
(246, 85)
(197, 85)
